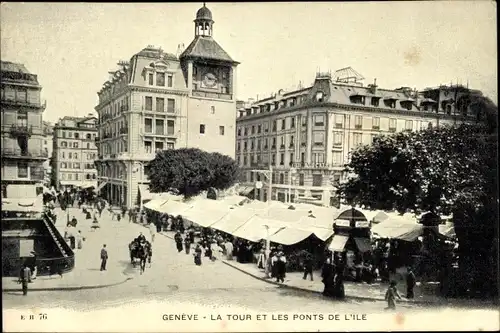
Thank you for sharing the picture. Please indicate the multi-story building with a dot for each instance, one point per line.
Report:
(306, 135)
(22, 129)
(159, 101)
(74, 152)
(48, 132)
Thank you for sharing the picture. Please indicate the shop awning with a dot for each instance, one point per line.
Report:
(145, 193)
(233, 220)
(363, 244)
(290, 236)
(338, 243)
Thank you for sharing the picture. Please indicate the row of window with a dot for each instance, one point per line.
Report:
(117, 146)
(76, 135)
(256, 143)
(316, 158)
(73, 155)
(114, 109)
(157, 145)
(11, 93)
(114, 129)
(265, 126)
(271, 106)
(65, 144)
(160, 79)
(76, 176)
(159, 105)
(319, 121)
(282, 178)
(76, 165)
(159, 126)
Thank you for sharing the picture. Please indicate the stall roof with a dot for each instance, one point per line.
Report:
(290, 236)
(154, 204)
(34, 205)
(400, 227)
(172, 207)
(254, 230)
(233, 220)
(233, 200)
(204, 217)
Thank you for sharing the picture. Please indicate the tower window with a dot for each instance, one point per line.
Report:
(202, 129)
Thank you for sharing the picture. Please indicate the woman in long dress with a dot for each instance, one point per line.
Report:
(197, 255)
(152, 231)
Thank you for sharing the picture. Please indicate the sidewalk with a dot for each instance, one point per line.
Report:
(375, 292)
(86, 273)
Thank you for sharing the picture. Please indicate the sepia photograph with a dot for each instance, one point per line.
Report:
(249, 166)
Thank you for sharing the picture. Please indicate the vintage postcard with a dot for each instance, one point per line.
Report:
(257, 166)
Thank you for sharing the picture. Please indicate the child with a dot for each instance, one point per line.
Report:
(390, 296)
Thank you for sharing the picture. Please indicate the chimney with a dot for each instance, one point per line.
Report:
(180, 49)
(373, 87)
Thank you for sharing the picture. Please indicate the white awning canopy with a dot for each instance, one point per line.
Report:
(338, 243)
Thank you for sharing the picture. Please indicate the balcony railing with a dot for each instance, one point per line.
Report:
(21, 130)
(18, 152)
(24, 103)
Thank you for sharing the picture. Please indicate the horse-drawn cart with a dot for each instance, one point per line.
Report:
(140, 252)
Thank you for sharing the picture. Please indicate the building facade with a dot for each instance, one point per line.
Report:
(22, 129)
(158, 101)
(48, 132)
(306, 135)
(74, 152)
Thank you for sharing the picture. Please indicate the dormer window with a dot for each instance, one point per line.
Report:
(408, 105)
(390, 102)
(375, 101)
(319, 96)
(358, 99)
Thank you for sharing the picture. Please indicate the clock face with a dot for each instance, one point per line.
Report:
(210, 80)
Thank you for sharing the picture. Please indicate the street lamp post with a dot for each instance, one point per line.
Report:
(267, 251)
(269, 176)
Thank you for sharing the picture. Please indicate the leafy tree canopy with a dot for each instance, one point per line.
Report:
(189, 171)
(432, 170)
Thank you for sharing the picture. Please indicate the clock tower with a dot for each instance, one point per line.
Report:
(210, 75)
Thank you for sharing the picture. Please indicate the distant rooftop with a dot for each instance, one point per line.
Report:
(156, 53)
(7, 66)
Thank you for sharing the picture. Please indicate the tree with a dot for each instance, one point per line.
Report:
(189, 171)
(447, 170)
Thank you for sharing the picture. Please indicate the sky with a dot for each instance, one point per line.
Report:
(72, 46)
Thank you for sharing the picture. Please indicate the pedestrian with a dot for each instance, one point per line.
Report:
(410, 283)
(152, 231)
(327, 278)
(197, 255)
(308, 267)
(79, 240)
(178, 241)
(390, 296)
(187, 244)
(25, 278)
(261, 261)
(33, 265)
(280, 267)
(274, 259)
(229, 249)
(104, 257)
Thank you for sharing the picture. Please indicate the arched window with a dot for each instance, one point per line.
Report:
(282, 178)
(429, 125)
(94, 176)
